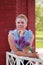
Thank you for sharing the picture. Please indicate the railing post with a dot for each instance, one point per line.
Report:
(18, 61)
(7, 57)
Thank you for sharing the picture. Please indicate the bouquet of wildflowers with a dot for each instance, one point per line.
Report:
(23, 43)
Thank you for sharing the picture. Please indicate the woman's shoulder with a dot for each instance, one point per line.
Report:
(12, 31)
(29, 31)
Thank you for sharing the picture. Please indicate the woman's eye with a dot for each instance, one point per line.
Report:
(20, 22)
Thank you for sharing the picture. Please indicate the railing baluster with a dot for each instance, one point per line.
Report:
(19, 59)
(7, 57)
(22, 62)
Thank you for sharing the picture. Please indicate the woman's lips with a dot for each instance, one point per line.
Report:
(20, 26)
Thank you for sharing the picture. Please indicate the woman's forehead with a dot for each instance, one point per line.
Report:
(20, 19)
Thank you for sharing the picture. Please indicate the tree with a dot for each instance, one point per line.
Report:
(39, 16)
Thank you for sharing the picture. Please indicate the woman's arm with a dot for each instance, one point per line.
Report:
(11, 42)
(13, 47)
(31, 40)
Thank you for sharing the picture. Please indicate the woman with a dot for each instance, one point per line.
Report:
(21, 24)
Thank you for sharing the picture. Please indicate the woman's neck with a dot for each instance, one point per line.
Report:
(21, 32)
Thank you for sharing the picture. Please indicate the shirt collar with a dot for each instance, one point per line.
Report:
(19, 34)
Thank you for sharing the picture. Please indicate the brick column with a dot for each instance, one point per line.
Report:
(21, 7)
(31, 17)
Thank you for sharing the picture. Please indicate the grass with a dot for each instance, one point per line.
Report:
(39, 45)
(39, 34)
(39, 37)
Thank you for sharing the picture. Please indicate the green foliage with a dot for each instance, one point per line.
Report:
(39, 24)
(39, 39)
(39, 17)
(39, 45)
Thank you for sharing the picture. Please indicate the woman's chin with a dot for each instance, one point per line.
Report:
(20, 29)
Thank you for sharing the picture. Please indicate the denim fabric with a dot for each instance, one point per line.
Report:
(27, 34)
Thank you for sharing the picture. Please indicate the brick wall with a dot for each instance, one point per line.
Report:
(9, 9)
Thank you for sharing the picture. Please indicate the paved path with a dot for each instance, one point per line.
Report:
(40, 52)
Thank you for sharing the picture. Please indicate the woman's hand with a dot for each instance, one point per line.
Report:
(35, 55)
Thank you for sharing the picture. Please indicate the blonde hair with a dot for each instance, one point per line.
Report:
(22, 16)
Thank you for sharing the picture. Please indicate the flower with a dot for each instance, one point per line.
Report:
(22, 42)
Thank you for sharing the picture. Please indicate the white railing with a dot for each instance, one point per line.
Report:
(11, 59)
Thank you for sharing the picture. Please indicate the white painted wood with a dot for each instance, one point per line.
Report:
(20, 58)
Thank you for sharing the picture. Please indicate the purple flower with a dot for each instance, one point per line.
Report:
(19, 41)
(22, 38)
(22, 42)
(15, 41)
(22, 45)
(27, 43)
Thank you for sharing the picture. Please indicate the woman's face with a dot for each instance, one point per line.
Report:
(21, 24)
